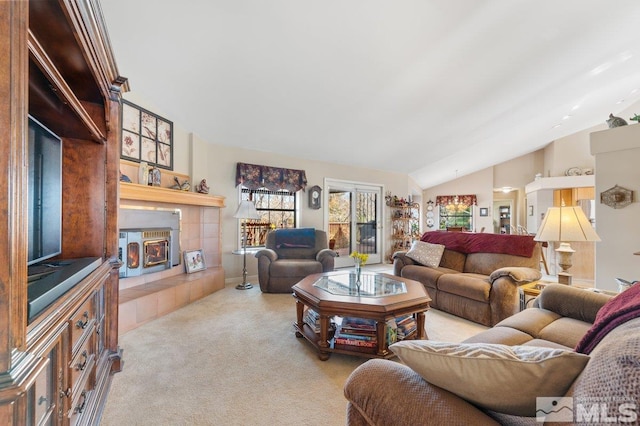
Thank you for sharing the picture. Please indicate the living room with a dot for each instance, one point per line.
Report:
(232, 357)
(206, 158)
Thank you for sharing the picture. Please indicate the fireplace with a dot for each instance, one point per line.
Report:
(143, 251)
(149, 240)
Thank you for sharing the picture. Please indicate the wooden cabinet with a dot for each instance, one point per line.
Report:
(56, 65)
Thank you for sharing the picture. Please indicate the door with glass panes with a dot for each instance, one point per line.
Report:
(353, 216)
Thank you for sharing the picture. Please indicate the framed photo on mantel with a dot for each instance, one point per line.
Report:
(194, 261)
(146, 137)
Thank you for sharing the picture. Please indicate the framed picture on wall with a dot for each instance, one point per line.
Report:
(530, 210)
(146, 137)
(484, 211)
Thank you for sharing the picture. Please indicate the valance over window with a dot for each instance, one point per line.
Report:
(467, 200)
(254, 176)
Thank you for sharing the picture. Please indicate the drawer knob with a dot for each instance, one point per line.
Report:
(82, 365)
(80, 408)
(83, 324)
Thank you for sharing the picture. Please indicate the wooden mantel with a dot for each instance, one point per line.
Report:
(133, 191)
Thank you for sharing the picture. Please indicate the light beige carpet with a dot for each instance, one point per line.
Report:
(232, 358)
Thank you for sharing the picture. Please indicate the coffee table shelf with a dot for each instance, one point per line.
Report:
(415, 301)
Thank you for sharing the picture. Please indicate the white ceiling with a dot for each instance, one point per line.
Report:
(433, 88)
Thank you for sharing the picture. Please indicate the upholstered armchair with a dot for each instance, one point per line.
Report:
(290, 255)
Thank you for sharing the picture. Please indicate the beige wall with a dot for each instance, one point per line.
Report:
(570, 151)
(202, 159)
(617, 153)
(215, 162)
(479, 183)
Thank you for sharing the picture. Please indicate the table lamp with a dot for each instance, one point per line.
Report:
(246, 210)
(564, 225)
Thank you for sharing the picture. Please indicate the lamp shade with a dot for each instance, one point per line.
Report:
(566, 224)
(246, 210)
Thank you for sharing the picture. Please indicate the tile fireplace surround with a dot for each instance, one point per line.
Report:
(149, 296)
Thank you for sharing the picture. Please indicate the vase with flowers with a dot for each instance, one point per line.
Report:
(360, 259)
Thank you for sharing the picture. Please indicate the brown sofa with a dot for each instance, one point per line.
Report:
(478, 275)
(290, 255)
(382, 392)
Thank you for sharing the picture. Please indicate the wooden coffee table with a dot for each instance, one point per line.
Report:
(381, 297)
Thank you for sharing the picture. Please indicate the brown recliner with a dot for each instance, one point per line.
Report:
(290, 255)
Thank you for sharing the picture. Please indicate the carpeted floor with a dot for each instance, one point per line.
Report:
(232, 359)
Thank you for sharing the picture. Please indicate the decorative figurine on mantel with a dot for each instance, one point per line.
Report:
(615, 121)
(202, 187)
(635, 117)
(124, 178)
(184, 186)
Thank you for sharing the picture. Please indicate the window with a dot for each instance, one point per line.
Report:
(277, 209)
(456, 216)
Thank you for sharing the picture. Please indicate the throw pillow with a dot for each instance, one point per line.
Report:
(502, 378)
(426, 253)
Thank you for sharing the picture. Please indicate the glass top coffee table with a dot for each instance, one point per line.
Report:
(379, 298)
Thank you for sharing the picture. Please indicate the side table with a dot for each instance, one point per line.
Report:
(528, 292)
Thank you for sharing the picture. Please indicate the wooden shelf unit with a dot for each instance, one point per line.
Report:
(405, 225)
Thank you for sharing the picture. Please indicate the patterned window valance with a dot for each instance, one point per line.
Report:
(254, 176)
(467, 200)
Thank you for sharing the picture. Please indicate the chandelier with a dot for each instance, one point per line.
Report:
(456, 203)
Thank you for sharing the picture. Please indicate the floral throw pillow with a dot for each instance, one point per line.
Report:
(426, 253)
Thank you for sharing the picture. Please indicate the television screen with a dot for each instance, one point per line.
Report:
(45, 193)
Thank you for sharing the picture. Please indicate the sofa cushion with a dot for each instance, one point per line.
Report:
(470, 286)
(295, 268)
(565, 331)
(426, 254)
(500, 335)
(486, 263)
(502, 378)
(530, 321)
(453, 260)
(427, 276)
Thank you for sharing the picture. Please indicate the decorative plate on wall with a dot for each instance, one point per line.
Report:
(616, 197)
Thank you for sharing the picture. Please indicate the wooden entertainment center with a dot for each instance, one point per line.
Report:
(56, 65)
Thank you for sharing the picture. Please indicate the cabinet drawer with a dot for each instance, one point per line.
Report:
(79, 404)
(81, 323)
(82, 365)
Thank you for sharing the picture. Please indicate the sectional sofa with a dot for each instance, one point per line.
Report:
(597, 383)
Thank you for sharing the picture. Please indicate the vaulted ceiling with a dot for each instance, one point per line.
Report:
(432, 88)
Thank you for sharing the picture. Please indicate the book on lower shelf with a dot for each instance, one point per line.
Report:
(361, 332)
(312, 319)
(406, 326)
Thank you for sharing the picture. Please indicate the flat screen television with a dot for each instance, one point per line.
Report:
(45, 193)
